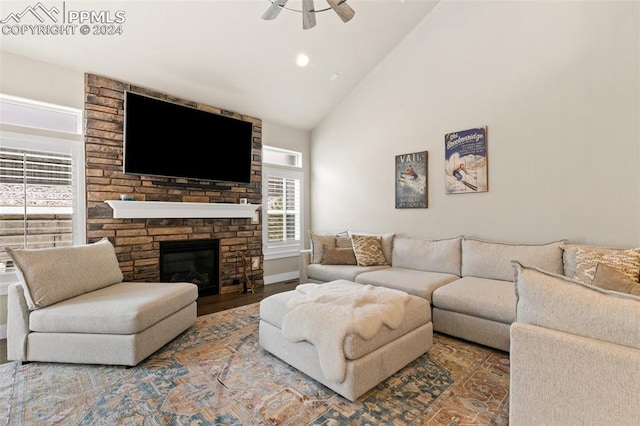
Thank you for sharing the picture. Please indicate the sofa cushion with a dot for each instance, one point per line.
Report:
(564, 304)
(368, 250)
(427, 255)
(412, 281)
(51, 275)
(609, 278)
(324, 273)
(625, 261)
(338, 256)
(491, 260)
(479, 297)
(123, 308)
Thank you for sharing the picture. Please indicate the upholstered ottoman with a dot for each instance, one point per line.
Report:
(351, 365)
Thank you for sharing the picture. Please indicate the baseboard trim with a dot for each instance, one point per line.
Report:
(277, 278)
(3, 331)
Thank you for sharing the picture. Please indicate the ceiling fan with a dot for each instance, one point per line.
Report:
(342, 9)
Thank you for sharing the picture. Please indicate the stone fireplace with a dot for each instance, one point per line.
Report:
(137, 240)
(193, 261)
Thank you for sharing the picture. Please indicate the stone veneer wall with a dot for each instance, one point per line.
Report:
(137, 241)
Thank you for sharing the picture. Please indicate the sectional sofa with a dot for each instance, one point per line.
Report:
(560, 309)
(468, 281)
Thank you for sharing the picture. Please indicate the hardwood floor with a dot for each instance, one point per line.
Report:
(216, 303)
(222, 302)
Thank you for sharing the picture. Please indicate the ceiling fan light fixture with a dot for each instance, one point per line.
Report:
(340, 7)
(302, 60)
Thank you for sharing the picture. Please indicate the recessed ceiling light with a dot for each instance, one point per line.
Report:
(302, 60)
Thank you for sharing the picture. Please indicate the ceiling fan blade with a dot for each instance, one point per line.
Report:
(308, 14)
(274, 9)
(344, 11)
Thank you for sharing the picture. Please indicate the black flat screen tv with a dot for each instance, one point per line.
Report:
(166, 139)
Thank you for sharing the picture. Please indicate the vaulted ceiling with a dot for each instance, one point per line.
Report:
(221, 52)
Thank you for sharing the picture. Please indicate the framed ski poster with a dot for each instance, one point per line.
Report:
(466, 161)
(411, 180)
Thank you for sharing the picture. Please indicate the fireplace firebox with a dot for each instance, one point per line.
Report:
(194, 261)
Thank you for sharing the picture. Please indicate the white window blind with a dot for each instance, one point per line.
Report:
(36, 199)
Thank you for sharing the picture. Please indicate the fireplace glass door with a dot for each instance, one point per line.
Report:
(193, 261)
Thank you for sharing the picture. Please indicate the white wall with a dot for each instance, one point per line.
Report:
(41, 81)
(557, 85)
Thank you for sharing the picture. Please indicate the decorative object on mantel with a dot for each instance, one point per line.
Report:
(466, 161)
(342, 9)
(165, 209)
(411, 180)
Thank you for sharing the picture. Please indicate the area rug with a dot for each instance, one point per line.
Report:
(216, 373)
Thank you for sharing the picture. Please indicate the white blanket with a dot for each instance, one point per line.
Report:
(324, 314)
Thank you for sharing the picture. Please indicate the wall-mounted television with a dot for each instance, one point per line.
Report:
(166, 139)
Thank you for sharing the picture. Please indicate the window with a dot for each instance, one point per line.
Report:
(41, 176)
(40, 115)
(282, 203)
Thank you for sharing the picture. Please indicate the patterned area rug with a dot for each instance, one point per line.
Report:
(216, 373)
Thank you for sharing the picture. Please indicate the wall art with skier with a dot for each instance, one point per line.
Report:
(466, 161)
(411, 180)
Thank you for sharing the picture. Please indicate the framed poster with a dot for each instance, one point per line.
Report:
(411, 180)
(466, 161)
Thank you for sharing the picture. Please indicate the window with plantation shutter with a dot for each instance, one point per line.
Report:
(35, 199)
(41, 177)
(282, 207)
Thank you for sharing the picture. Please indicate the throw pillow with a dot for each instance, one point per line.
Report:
(338, 256)
(625, 261)
(386, 241)
(343, 240)
(368, 250)
(610, 278)
(318, 241)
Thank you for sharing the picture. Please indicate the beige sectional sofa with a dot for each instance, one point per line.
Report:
(469, 282)
(72, 306)
(560, 309)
